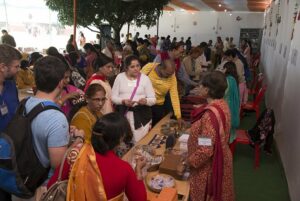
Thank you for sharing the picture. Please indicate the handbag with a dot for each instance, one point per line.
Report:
(58, 191)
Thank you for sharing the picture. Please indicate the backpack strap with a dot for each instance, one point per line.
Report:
(43, 106)
(21, 109)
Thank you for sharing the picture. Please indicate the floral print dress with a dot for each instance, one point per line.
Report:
(200, 157)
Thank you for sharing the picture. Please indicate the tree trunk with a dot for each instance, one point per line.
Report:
(117, 31)
(128, 29)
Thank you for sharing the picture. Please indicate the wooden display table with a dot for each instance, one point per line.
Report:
(183, 187)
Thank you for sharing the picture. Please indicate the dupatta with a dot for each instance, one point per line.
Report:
(218, 119)
(232, 98)
(85, 180)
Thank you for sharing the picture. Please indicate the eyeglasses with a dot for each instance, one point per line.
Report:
(99, 99)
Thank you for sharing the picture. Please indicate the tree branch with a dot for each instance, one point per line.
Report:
(89, 28)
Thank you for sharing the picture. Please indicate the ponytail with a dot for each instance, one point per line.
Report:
(109, 131)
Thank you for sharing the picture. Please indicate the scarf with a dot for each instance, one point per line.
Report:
(85, 171)
(232, 98)
(165, 56)
(217, 118)
(92, 78)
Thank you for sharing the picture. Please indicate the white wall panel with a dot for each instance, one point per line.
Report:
(202, 26)
(283, 94)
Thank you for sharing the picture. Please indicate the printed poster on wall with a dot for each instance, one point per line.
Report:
(294, 57)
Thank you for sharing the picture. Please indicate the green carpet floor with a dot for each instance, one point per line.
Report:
(268, 182)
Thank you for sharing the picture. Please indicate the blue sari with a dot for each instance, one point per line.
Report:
(232, 98)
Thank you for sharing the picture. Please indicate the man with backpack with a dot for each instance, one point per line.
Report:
(49, 127)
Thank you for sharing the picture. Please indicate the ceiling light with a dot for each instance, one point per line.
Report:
(220, 5)
(225, 10)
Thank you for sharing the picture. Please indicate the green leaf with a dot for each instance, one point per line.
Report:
(115, 12)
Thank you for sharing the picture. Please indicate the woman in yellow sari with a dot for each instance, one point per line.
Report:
(84, 115)
(97, 173)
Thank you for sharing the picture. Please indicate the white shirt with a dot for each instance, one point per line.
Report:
(202, 60)
(123, 88)
(226, 45)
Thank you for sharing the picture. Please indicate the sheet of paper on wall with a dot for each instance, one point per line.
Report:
(280, 48)
(294, 57)
(284, 52)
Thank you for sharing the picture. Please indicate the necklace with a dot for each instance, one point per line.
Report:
(130, 78)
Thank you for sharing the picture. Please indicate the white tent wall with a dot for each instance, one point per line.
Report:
(281, 67)
(201, 26)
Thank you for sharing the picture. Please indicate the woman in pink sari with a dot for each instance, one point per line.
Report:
(69, 95)
(209, 155)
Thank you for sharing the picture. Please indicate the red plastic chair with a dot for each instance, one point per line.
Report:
(186, 111)
(193, 100)
(256, 85)
(243, 138)
(254, 106)
(187, 105)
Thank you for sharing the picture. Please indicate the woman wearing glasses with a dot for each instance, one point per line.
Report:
(103, 67)
(89, 111)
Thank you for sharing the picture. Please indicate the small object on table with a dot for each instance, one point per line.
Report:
(152, 161)
(170, 165)
(165, 126)
(165, 131)
(170, 142)
(157, 140)
(173, 123)
(159, 181)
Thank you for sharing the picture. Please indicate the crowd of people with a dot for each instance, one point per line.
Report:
(110, 99)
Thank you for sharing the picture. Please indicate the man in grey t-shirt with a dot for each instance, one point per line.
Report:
(50, 128)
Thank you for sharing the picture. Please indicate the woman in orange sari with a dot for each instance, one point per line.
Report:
(209, 155)
(97, 173)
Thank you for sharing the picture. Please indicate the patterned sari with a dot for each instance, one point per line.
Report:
(209, 155)
(85, 171)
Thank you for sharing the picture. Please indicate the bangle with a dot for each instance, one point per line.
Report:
(78, 136)
(60, 102)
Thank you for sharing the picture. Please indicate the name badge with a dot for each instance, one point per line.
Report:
(204, 141)
(3, 109)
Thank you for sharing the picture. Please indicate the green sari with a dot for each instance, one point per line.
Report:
(232, 98)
